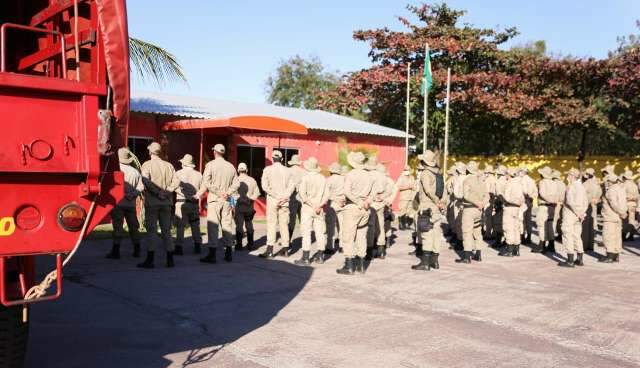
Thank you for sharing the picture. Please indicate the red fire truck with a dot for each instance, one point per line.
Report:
(64, 103)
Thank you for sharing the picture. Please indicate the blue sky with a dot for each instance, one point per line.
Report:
(228, 48)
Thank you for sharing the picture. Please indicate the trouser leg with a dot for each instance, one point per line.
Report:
(272, 223)
(213, 224)
(165, 228)
(283, 222)
(151, 224)
(117, 222)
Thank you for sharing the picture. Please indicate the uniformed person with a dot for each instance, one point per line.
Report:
(475, 198)
(498, 206)
(126, 208)
(313, 196)
(335, 190)
(561, 188)
(458, 195)
(450, 199)
(614, 211)
(248, 192)
(487, 212)
(357, 190)
(415, 237)
(430, 205)
(389, 195)
(278, 183)
(546, 207)
(513, 199)
(630, 225)
(376, 236)
(530, 194)
(188, 204)
(220, 181)
(297, 172)
(573, 212)
(160, 181)
(405, 186)
(594, 193)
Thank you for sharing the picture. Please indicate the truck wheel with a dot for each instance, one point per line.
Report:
(13, 337)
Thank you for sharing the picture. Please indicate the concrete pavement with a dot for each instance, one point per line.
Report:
(514, 312)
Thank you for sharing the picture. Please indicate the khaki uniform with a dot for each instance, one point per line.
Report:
(630, 224)
(547, 199)
(278, 183)
(126, 208)
(451, 201)
(475, 197)
(531, 194)
(313, 194)
(589, 225)
(187, 205)
(405, 186)
(357, 190)
(297, 173)
(335, 214)
(513, 199)
(614, 210)
(376, 234)
(389, 196)
(220, 180)
(561, 188)
(432, 239)
(490, 182)
(574, 208)
(248, 192)
(160, 180)
(458, 196)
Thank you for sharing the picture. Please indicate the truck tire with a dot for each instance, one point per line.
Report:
(13, 337)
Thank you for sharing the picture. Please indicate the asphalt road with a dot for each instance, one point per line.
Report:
(515, 312)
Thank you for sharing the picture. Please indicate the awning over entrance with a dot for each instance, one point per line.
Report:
(246, 124)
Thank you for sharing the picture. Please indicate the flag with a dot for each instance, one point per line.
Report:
(427, 77)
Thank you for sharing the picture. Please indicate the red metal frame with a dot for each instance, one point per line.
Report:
(3, 44)
(4, 289)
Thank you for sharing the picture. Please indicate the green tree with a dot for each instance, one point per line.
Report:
(153, 63)
(298, 82)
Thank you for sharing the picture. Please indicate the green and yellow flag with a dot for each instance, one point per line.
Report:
(427, 77)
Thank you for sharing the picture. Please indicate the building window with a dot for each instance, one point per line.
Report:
(138, 145)
(287, 153)
(254, 158)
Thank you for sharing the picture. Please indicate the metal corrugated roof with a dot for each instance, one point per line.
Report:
(203, 108)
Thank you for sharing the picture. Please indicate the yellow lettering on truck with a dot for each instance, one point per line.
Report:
(7, 226)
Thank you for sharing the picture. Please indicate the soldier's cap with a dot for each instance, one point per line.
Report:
(219, 148)
(125, 156)
(488, 169)
(452, 170)
(295, 160)
(242, 167)
(523, 169)
(461, 168)
(501, 170)
(628, 174)
(513, 172)
(381, 168)
(590, 171)
(612, 178)
(609, 169)
(372, 163)
(344, 170)
(335, 168)
(187, 161)
(573, 172)
(556, 174)
(154, 148)
(356, 160)
(276, 154)
(311, 164)
(472, 167)
(428, 158)
(546, 172)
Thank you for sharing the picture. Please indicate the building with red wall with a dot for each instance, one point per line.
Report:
(250, 132)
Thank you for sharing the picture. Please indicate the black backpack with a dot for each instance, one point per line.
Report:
(439, 185)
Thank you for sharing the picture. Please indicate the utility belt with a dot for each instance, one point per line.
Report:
(547, 204)
(511, 205)
(468, 205)
(182, 200)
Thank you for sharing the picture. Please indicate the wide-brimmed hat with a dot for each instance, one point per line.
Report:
(154, 148)
(451, 170)
(428, 158)
(612, 178)
(546, 172)
(219, 148)
(242, 167)
(501, 170)
(276, 154)
(295, 160)
(556, 174)
(311, 164)
(590, 171)
(488, 169)
(523, 169)
(573, 172)
(356, 160)
(513, 172)
(187, 161)
(628, 174)
(609, 169)
(472, 167)
(461, 168)
(335, 168)
(372, 163)
(125, 156)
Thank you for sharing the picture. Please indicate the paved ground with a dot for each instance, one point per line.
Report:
(254, 313)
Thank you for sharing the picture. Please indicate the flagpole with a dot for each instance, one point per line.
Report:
(446, 123)
(425, 113)
(406, 138)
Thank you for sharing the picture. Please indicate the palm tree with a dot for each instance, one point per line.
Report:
(154, 63)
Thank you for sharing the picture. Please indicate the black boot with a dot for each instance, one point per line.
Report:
(466, 258)
(318, 257)
(538, 248)
(136, 250)
(211, 257)
(579, 261)
(170, 263)
(425, 263)
(550, 248)
(283, 252)
(228, 254)
(607, 259)
(115, 252)
(197, 248)
(267, 253)
(616, 257)
(477, 256)
(148, 262)
(382, 252)
(528, 239)
(304, 261)
(568, 263)
(516, 250)
(347, 269)
(369, 255)
(507, 251)
(414, 239)
(238, 241)
(359, 264)
(434, 261)
(250, 241)
(178, 251)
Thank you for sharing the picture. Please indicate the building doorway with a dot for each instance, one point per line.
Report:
(138, 145)
(255, 159)
(287, 153)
